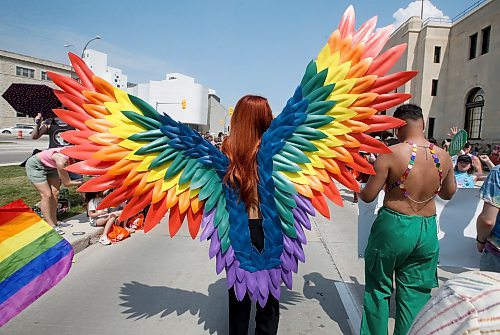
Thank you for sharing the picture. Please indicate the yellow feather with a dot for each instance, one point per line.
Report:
(334, 129)
(323, 59)
(341, 113)
(122, 99)
(296, 177)
(317, 162)
(157, 173)
(131, 145)
(194, 193)
(171, 182)
(344, 86)
(337, 73)
(323, 150)
(182, 188)
(144, 166)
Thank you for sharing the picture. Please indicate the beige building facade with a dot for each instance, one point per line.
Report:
(17, 68)
(459, 71)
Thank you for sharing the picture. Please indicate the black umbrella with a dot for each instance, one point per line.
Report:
(31, 99)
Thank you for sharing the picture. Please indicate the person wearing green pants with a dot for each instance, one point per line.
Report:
(403, 240)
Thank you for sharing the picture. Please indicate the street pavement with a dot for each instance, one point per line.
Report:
(14, 151)
(152, 284)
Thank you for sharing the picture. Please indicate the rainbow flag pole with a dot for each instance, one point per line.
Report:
(33, 258)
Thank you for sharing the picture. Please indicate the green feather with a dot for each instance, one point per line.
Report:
(189, 171)
(176, 166)
(159, 144)
(282, 183)
(289, 229)
(286, 198)
(281, 163)
(201, 176)
(320, 94)
(309, 133)
(301, 143)
(316, 82)
(320, 107)
(144, 107)
(294, 154)
(311, 71)
(212, 200)
(224, 240)
(220, 211)
(142, 120)
(164, 157)
(147, 136)
(316, 121)
(284, 211)
(209, 187)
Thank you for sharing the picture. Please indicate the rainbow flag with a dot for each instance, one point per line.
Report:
(33, 258)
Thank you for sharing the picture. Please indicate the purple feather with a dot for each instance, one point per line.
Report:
(208, 217)
(301, 237)
(214, 246)
(207, 231)
(231, 276)
(263, 281)
(304, 204)
(219, 263)
(251, 280)
(240, 289)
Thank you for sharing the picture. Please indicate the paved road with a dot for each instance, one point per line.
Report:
(14, 151)
(151, 284)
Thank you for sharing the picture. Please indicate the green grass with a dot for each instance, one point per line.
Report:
(15, 185)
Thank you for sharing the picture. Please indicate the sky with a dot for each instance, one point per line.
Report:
(234, 47)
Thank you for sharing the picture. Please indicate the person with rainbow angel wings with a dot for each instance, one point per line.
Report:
(150, 159)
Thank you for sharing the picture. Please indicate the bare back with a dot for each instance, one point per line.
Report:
(422, 181)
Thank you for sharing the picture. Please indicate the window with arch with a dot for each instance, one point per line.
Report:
(474, 113)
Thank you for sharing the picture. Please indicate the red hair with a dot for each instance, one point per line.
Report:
(251, 118)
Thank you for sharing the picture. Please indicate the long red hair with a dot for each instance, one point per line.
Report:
(251, 118)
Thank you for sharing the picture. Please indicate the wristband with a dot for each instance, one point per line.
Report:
(480, 242)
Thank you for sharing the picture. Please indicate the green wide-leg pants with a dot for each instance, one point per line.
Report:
(405, 247)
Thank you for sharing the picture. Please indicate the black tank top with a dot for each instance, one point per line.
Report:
(56, 128)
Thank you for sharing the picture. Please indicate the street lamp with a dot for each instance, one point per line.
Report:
(86, 45)
(68, 46)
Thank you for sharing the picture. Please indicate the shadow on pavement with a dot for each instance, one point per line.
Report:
(144, 301)
(324, 290)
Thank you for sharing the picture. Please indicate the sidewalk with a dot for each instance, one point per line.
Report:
(81, 224)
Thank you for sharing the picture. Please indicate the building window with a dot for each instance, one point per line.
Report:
(474, 113)
(472, 46)
(25, 72)
(485, 40)
(437, 54)
(430, 127)
(434, 88)
(44, 75)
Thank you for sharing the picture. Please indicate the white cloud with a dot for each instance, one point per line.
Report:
(414, 9)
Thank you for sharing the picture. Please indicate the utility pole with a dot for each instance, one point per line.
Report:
(422, 11)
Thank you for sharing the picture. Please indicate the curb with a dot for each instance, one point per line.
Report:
(81, 224)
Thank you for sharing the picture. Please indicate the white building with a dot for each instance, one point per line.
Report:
(459, 70)
(98, 63)
(184, 100)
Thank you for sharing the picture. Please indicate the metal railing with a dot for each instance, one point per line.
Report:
(468, 10)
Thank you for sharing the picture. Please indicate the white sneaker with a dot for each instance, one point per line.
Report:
(58, 230)
(104, 240)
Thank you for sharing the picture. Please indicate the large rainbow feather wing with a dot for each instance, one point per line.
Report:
(146, 157)
(317, 138)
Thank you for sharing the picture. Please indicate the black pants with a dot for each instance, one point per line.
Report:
(267, 317)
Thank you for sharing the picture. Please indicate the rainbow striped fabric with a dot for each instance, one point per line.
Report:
(33, 258)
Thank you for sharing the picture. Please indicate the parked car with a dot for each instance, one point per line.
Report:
(25, 128)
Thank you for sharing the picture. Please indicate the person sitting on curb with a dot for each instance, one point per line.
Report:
(45, 171)
(100, 217)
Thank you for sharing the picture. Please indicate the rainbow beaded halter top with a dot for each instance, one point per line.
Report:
(400, 182)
